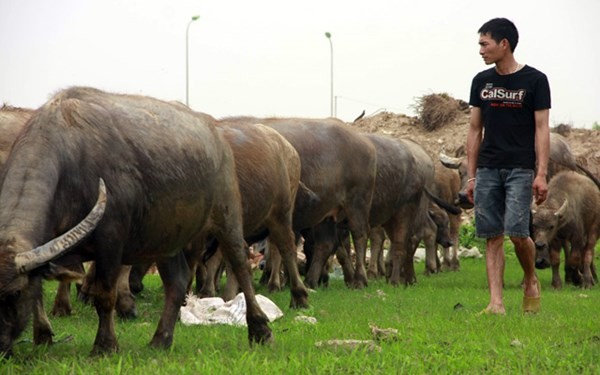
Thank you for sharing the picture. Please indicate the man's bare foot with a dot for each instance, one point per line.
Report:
(532, 289)
(493, 310)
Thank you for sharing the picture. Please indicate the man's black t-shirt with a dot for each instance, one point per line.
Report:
(507, 104)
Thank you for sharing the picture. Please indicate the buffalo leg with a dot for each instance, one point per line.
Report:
(232, 247)
(62, 301)
(357, 221)
(575, 262)
(566, 245)
(258, 329)
(555, 263)
(210, 276)
(323, 244)
(588, 258)
(105, 296)
(265, 278)
(282, 236)
(136, 277)
(232, 286)
(42, 329)
(376, 264)
(343, 255)
(125, 306)
(397, 231)
(125, 302)
(454, 235)
(175, 275)
(431, 258)
(273, 265)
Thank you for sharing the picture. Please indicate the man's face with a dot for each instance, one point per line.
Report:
(490, 50)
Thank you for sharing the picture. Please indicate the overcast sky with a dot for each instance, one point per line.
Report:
(271, 57)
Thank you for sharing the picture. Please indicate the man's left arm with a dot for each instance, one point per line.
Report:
(542, 152)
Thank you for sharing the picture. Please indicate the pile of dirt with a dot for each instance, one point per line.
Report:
(450, 129)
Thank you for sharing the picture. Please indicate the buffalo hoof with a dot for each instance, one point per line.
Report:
(42, 337)
(557, 285)
(455, 265)
(587, 283)
(348, 280)
(60, 310)
(206, 292)
(260, 335)
(98, 350)
(310, 283)
(273, 288)
(84, 297)
(359, 284)
(359, 281)
(299, 299)
(161, 342)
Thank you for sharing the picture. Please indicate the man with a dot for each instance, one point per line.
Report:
(508, 145)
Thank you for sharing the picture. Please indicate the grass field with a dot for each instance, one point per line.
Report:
(438, 332)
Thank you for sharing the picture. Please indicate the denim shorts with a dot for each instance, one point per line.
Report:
(503, 200)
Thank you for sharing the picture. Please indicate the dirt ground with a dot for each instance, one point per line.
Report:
(585, 143)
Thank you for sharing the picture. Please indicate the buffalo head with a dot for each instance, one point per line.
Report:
(21, 273)
(546, 222)
(461, 164)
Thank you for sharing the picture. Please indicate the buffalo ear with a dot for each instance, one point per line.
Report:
(53, 271)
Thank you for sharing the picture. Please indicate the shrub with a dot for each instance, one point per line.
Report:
(437, 110)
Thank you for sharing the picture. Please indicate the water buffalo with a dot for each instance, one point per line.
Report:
(434, 230)
(571, 213)
(268, 170)
(170, 177)
(447, 186)
(561, 158)
(425, 171)
(431, 228)
(338, 165)
(12, 121)
(401, 199)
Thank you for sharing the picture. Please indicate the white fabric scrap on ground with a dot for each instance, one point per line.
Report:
(469, 253)
(462, 253)
(213, 310)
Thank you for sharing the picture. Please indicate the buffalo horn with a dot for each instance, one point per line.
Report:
(562, 209)
(32, 259)
(450, 161)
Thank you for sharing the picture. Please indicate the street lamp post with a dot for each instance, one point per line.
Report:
(328, 36)
(187, 68)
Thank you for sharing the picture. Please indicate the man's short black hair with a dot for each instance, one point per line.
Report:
(501, 28)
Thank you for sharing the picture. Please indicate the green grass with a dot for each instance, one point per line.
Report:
(435, 334)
